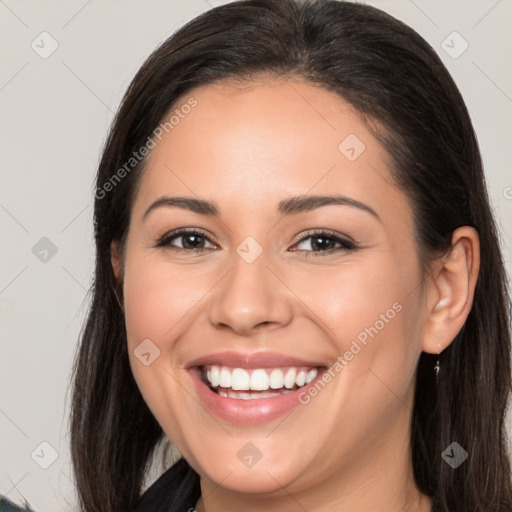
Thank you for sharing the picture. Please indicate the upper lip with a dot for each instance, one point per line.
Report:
(251, 360)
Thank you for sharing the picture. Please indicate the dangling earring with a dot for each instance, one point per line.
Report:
(441, 304)
(437, 367)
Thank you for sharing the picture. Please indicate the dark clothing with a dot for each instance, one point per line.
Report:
(177, 490)
(6, 505)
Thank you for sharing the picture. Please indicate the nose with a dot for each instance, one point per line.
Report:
(251, 297)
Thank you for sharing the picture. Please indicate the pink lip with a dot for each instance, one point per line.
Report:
(251, 360)
(249, 412)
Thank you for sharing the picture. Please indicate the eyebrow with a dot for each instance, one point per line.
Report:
(290, 206)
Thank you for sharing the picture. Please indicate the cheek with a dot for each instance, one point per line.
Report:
(371, 314)
(359, 297)
(158, 297)
(157, 300)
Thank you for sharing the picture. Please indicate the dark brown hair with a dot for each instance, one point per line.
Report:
(395, 81)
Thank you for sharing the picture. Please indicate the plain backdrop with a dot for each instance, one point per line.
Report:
(55, 112)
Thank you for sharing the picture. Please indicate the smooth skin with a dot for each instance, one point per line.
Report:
(248, 146)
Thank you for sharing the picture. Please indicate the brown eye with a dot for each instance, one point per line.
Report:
(192, 240)
(325, 242)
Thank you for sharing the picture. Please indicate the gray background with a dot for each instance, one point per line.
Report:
(55, 114)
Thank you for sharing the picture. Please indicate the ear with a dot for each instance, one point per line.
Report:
(116, 261)
(450, 290)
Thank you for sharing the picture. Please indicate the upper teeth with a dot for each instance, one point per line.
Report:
(260, 379)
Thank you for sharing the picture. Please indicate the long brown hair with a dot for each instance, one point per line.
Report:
(395, 80)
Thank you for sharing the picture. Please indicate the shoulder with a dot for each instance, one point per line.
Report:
(6, 505)
(176, 490)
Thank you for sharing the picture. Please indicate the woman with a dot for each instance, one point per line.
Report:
(298, 278)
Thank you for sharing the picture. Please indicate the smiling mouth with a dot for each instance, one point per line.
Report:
(256, 383)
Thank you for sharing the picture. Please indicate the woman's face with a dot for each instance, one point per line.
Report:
(228, 323)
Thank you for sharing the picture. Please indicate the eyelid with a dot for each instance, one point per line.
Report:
(177, 233)
(344, 241)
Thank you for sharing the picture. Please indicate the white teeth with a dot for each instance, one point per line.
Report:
(239, 379)
(214, 377)
(261, 379)
(276, 379)
(311, 375)
(242, 395)
(289, 378)
(225, 378)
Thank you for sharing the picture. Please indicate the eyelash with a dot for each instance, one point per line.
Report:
(346, 245)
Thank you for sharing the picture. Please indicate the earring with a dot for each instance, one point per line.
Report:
(441, 304)
(437, 367)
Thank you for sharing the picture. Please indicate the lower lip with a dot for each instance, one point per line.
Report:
(248, 412)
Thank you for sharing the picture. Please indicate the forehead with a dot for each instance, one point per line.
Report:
(251, 144)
